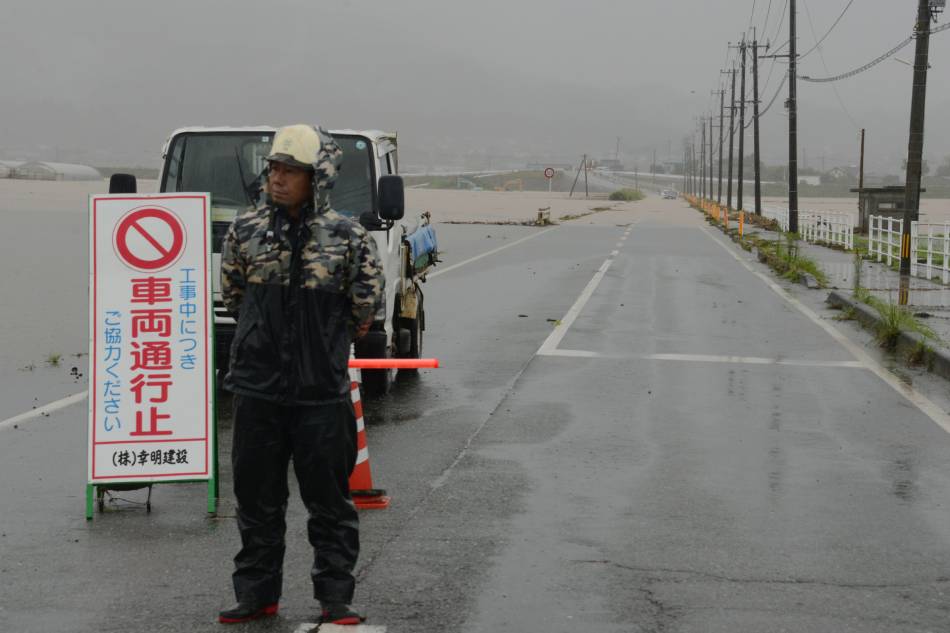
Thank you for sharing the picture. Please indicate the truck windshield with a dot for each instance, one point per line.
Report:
(228, 163)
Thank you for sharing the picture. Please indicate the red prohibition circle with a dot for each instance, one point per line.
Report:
(159, 253)
(549, 173)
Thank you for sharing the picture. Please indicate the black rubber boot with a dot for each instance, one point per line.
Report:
(245, 612)
(338, 613)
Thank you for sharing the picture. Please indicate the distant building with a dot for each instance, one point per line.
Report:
(43, 170)
(809, 180)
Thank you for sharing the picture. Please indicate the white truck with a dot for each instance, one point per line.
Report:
(228, 161)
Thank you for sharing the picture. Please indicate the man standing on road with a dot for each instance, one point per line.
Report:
(302, 281)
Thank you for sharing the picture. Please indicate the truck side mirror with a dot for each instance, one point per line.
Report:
(392, 199)
(122, 183)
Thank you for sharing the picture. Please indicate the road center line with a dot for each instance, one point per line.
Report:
(919, 400)
(487, 253)
(556, 335)
(560, 331)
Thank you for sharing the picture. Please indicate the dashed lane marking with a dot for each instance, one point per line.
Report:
(560, 331)
(554, 339)
(919, 400)
(488, 253)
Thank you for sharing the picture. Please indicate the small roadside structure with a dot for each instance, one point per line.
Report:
(44, 170)
(886, 201)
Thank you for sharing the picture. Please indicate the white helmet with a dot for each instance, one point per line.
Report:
(308, 147)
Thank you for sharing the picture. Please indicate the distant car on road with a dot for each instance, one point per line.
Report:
(668, 194)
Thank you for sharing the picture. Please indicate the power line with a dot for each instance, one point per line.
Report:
(874, 62)
(774, 97)
(821, 55)
(825, 36)
(768, 12)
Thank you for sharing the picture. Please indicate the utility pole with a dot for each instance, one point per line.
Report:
(732, 117)
(722, 126)
(685, 170)
(710, 156)
(653, 170)
(702, 159)
(755, 123)
(742, 47)
(861, 180)
(792, 121)
(586, 189)
(915, 145)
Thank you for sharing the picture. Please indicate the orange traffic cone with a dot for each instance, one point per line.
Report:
(361, 479)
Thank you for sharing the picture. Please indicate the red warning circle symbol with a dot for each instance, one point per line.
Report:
(149, 239)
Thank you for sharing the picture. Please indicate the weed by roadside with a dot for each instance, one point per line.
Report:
(53, 359)
(627, 195)
(894, 319)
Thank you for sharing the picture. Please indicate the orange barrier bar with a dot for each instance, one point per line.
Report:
(394, 363)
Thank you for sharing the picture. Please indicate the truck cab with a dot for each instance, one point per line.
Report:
(228, 163)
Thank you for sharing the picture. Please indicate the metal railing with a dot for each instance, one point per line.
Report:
(827, 228)
(884, 238)
(779, 215)
(930, 243)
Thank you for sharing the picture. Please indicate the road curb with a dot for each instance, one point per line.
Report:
(937, 359)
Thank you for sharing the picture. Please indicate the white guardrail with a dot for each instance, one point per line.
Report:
(828, 228)
(884, 238)
(929, 245)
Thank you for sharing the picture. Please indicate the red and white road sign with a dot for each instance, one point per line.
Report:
(150, 238)
(150, 338)
(549, 173)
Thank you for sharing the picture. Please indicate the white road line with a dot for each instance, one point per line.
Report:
(549, 346)
(570, 353)
(487, 253)
(707, 358)
(44, 410)
(919, 400)
(554, 338)
(313, 627)
(614, 253)
(753, 360)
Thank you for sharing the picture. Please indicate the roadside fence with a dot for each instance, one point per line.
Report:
(829, 228)
(884, 238)
(930, 243)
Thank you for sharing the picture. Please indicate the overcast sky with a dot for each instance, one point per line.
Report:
(105, 81)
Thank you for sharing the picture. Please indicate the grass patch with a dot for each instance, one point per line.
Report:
(848, 314)
(785, 258)
(54, 359)
(626, 195)
(894, 320)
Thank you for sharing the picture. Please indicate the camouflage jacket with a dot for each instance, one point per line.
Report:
(297, 307)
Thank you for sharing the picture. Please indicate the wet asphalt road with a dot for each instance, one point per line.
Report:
(636, 482)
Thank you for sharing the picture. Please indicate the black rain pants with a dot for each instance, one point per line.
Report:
(322, 442)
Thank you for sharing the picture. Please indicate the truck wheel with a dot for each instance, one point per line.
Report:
(376, 382)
